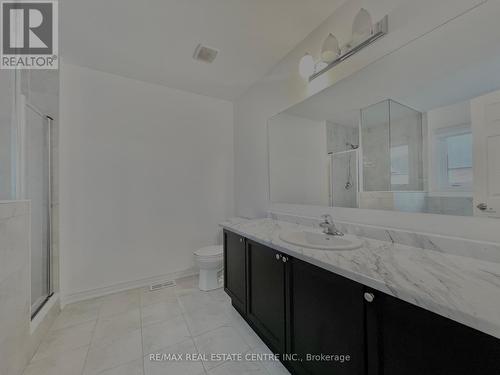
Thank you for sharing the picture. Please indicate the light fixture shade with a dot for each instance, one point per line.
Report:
(330, 49)
(306, 66)
(362, 26)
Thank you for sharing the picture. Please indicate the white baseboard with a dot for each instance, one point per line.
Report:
(120, 287)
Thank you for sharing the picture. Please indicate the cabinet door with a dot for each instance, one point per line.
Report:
(235, 270)
(415, 341)
(327, 317)
(266, 294)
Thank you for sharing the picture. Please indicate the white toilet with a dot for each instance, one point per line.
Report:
(209, 261)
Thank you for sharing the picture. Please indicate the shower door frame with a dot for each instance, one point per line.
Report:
(21, 184)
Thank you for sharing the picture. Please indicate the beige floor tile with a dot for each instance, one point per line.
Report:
(247, 333)
(120, 303)
(160, 312)
(70, 363)
(123, 327)
(58, 342)
(123, 350)
(162, 295)
(76, 314)
(271, 366)
(219, 295)
(171, 367)
(160, 335)
(223, 340)
(193, 300)
(206, 318)
(239, 368)
(131, 368)
(112, 327)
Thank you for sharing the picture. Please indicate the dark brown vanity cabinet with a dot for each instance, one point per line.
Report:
(299, 309)
(415, 341)
(326, 317)
(235, 270)
(267, 281)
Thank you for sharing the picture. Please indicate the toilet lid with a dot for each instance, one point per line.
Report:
(209, 251)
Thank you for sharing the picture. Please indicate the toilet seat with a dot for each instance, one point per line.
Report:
(209, 252)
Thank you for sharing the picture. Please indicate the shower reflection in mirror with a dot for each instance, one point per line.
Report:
(385, 156)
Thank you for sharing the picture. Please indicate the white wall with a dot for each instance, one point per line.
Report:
(146, 176)
(283, 87)
(298, 160)
(452, 115)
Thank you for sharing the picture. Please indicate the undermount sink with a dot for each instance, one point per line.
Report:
(321, 241)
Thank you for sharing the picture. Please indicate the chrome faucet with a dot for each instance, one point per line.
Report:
(329, 227)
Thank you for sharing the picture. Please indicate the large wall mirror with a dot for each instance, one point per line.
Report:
(416, 131)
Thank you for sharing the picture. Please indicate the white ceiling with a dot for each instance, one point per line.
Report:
(154, 40)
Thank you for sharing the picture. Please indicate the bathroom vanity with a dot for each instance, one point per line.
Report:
(381, 309)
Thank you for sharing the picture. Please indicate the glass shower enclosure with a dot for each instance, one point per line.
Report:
(25, 174)
(392, 143)
(35, 186)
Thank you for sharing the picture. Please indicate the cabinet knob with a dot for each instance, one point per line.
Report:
(278, 256)
(369, 297)
(285, 259)
(241, 239)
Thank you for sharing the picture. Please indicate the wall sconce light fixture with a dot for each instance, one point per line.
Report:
(362, 26)
(364, 33)
(306, 66)
(330, 50)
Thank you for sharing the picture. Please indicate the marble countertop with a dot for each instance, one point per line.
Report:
(464, 289)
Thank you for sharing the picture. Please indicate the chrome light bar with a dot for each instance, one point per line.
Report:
(380, 29)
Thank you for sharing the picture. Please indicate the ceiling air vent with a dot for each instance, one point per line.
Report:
(205, 54)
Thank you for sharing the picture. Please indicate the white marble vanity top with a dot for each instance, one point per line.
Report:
(464, 289)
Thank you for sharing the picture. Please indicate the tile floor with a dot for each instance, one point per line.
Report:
(114, 335)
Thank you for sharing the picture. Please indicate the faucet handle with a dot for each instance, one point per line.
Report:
(327, 218)
(326, 223)
(329, 226)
